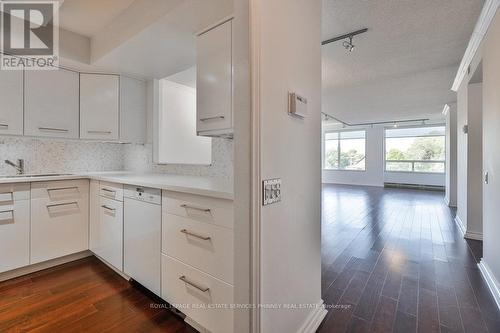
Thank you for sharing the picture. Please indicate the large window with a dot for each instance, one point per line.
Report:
(416, 149)
(344, 150)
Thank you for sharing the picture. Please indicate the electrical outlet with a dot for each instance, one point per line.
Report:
(271, 191)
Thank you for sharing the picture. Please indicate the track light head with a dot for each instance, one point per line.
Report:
(348, 45)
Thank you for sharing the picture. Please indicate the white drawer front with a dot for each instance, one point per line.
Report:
(14, 235)
(60, 191)
(199, 208)
(111, 190)
(59, 225)
(193, 292)
(108, 242)
(14, 192)
(201, 245)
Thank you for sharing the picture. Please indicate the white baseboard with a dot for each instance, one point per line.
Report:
(314, 319)
(43, 265)
(460, 225)
(491, 281)
(474, 235)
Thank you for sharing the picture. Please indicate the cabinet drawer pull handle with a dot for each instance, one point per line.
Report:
(206, 238)
(192, 284)
(4, 126)
(62, 188)
(212, 118)
(109, 208)
(206, 210)
(109, 191)
(11, 211)
(63, 204)
(50, 129)
(99, 132)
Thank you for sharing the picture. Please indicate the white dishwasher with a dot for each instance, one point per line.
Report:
(142, 236)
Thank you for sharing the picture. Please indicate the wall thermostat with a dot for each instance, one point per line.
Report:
(297, 105)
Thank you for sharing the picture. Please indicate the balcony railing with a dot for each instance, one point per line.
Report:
(419, 166)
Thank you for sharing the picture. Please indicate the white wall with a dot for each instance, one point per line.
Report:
(462, 155)
(491, 138)
(375, 175)
(451, 156)
(474, 225)
(288, 57)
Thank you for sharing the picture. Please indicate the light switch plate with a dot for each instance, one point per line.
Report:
(271, 191)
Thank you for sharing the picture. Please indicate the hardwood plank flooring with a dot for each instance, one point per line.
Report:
(82, 296)
(396, 261)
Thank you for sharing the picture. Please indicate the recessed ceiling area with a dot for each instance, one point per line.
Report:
(403, 67)
(88, 17)
(141, 38)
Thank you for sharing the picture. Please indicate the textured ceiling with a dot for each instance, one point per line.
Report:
(396, 61)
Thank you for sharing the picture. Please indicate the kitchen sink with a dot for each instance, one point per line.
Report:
(38, 175)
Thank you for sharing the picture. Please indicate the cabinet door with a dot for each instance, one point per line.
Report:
(11, 108)
(60, 219)
(132, 110)
(51, 103)
(109, 244)
(214, 79)
(99, 106)
(14, 226)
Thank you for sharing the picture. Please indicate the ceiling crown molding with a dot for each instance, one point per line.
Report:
(487, 14)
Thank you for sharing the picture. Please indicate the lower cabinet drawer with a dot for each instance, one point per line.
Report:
(59, 226)
(204, 246)
(14, 235)
(198, 295)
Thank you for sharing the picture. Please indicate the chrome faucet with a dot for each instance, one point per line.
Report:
(19, 166)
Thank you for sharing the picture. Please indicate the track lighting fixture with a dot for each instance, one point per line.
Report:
(346, 38)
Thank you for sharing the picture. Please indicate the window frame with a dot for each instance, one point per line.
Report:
(323, 141)
(416, 161)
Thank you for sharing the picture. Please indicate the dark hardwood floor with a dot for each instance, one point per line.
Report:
(393, 260)
(82, 296)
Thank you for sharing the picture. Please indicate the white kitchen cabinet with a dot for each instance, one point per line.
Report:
(94, 212)
(214, 81)
(14, 226)
(107, 235)
(11, 108)
(60, 215)
(99, 106)
(51, 106)
(132, 110)
(183, 284)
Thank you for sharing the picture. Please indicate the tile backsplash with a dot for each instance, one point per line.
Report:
(140, 158)
(43, 155)
(57, 155)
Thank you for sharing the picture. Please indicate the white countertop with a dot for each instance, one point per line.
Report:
(208, 186)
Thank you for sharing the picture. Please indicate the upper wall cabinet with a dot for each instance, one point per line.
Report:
(99, 106)
(51, 103)
(132, 110)
(11, 108)
(214, 81)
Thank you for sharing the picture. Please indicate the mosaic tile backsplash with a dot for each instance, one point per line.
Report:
(59, 156)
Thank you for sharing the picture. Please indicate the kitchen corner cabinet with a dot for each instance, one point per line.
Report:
(99, 106)
(51, 103)
(132, 110)
(214, 81)
(11, 95)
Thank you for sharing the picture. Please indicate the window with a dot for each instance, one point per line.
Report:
(344, 150)
(416, 149)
